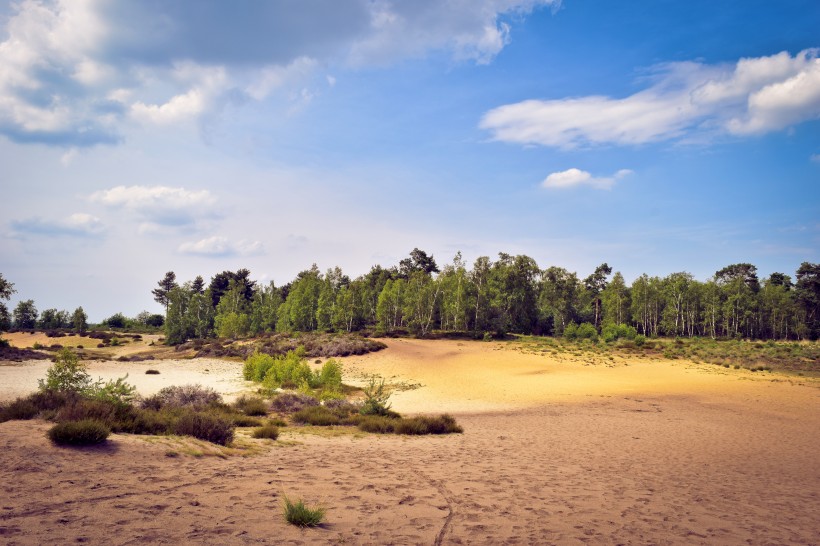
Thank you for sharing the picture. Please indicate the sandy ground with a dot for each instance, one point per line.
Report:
(555, 451)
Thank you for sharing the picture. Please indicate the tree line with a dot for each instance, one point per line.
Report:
(509, 295)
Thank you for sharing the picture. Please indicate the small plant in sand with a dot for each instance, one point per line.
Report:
(298, 513)
(375, 401)
(251, 405)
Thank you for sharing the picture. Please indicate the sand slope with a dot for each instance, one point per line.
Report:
(713, 459)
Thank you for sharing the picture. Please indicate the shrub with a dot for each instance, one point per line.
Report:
(319, 416)
(67, 374)
(269, 431)
(640, 340)
(205, 426)
(375, 402)
(300, 514)
(571, 331)
(151, 372)
(256, 366)
(587, 331)
(79, 433)
(83, 409)
(20, 409)
(251, 405)
(289, 402)
(241, 420)
(330, 376)
(443, 424)
(185, 396)
(377, 424)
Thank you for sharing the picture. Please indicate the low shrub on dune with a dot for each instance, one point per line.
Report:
(86, 432)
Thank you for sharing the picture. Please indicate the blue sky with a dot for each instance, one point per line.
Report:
(138, 137)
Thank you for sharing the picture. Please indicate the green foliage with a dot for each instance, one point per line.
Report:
(613, 332)
(232, 325)
(79, 320)
(268, 431)
(298, 513)
(67, 374)
(25, 315)
(587, 331)
(19, 409)
(376, 396)
(79, 433)
(292, 370)
(330, 376)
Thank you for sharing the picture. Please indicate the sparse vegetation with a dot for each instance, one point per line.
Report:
(298, 513)
(251, 405)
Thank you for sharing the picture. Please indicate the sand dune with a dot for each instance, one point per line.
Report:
(554, 452)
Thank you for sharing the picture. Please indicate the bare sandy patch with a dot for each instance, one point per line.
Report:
(646, 453)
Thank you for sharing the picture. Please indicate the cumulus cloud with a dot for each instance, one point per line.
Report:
(753, 96)
(73, 72)
(78, 224)
(576, 177)
(218, 246)
(159, 205)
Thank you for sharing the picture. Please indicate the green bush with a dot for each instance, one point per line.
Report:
(330, 376)
(79, 433)
(587, 331)
(242, 420)
(67, 374)
(377, 424)
(300, 514)
(205, 426)
(640, 340)
(571, 331)
(269, 431)
(375, 401)
(256, 366)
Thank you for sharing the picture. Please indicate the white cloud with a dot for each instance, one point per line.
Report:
(815, 158)
(754, 96)
(74, 72)
(576, 177)
(160, 205)
(79, 224)
(221, 246)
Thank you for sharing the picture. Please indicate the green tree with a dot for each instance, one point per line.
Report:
(25, 315)
(480, 289)
(79, 320)
(807, 291)
(594, 285)
(232, 317)
(265, 308)
(391, 305)
(345, 309)
(6, 290)
(615, 301)
(166, 284)
(454, 292)
(558, 299)
(220, 283)
(421, 298)
(418, 261)
(303, 300)
(513, 283)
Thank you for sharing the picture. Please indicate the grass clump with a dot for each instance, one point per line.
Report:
(151, 372)
(86, 432)
(302, 515)
(318, 416)
(268, 431)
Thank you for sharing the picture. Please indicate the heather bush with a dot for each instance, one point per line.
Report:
(442, 424)
(205, 426)
(20, 409)
(268, 431)
(185, 396)
(288, 402)
(79, 433)
(316, 415)
(251, 405)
